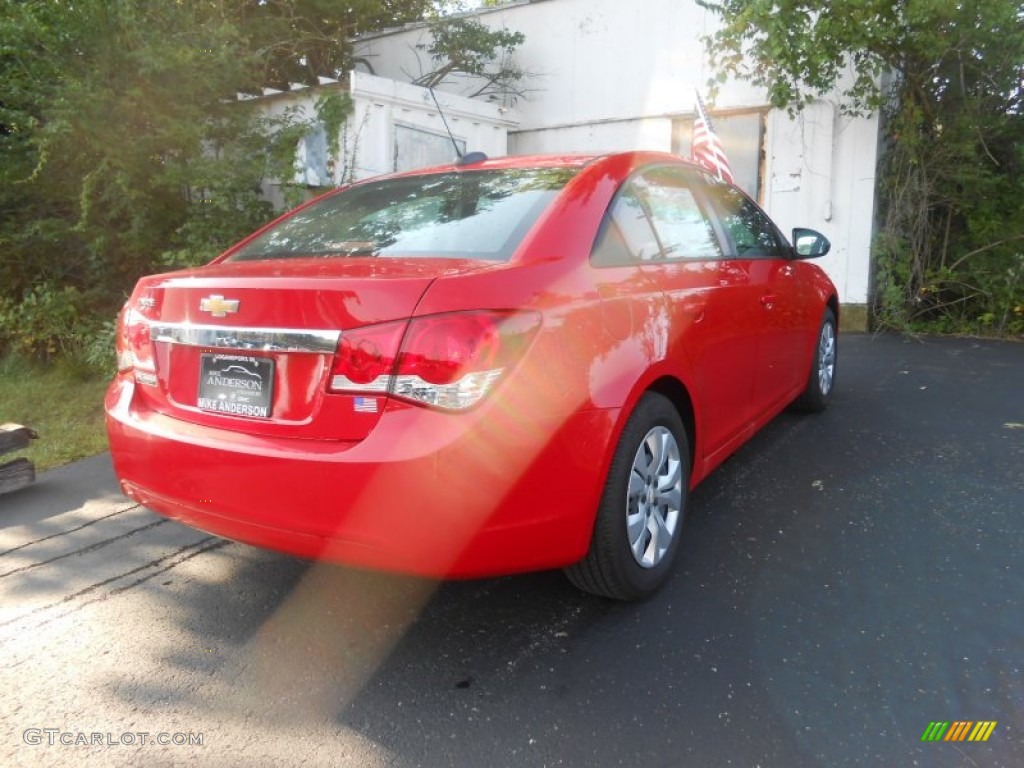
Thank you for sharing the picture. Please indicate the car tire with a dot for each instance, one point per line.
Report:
(822, 379)
(642, 509)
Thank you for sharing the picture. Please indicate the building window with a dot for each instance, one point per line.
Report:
(742, 135)
(416, 148)
(311, 162)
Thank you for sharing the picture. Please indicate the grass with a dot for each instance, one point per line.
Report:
(62, 402)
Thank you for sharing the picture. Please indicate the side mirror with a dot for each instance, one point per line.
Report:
(810, 244)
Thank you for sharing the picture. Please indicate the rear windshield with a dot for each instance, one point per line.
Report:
(465, 214)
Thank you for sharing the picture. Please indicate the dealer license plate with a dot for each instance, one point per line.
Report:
(237, 384)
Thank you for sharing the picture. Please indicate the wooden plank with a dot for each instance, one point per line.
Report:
(16, 474)
(14, 437)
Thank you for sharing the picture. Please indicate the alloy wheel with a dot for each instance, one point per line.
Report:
(826, 358)
(655, 497)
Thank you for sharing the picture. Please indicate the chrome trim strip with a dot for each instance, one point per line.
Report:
(343, 383)
(264, 339)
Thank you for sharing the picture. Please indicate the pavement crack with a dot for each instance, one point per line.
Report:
(83, 550)
(177, 557)
(69, 530)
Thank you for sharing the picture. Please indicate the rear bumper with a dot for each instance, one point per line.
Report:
(433, 494)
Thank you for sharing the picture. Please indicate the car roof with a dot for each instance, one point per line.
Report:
(562, 160)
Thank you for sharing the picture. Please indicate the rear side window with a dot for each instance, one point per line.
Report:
(752, 233)
(626, 235)
(656, 217)
(465, 214)
(684, 230)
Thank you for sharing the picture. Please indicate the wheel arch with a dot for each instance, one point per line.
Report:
(676, 392)
(833, 304)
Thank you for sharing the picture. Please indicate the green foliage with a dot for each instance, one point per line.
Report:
(297, 40)
(50, 323)
(466, 47)
(116, 126)
(62, 402)
(333, 109)
(947, 78)
(97, 348)
(123, 149)
(43, 323)
(799, 50)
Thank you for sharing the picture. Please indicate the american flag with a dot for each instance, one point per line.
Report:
(707, 149)
(365, 404)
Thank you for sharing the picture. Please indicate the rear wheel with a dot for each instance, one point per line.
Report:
(821, 380)
(641, 513)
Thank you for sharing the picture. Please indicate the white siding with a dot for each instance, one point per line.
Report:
(383, 104)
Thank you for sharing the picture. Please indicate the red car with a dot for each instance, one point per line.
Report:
(493, 367)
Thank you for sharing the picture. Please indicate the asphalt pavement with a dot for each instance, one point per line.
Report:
(846, 580)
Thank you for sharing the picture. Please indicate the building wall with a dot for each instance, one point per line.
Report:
(384, 106)
(386, 113)
(613, 75)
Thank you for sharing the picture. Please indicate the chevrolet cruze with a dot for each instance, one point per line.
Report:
(487, 368)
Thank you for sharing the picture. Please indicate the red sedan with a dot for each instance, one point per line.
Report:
(493, 367)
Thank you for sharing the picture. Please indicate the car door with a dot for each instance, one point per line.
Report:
(780, 318)
(708, 306)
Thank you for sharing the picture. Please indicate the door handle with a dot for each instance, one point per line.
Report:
(768, 301)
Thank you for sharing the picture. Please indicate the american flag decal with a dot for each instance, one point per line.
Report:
(707, 149)
(365, 404)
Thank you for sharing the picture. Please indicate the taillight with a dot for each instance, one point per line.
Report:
(135, 346)
(365, 358)
(125, 360)
(452, 361)
(448, 361)
(442, 349)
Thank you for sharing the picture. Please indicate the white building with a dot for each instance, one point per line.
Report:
(614, 75)
(394, 126)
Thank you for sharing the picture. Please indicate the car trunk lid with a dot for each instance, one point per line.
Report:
(249, 346)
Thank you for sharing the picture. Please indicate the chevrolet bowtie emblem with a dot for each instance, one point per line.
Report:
(218, 306)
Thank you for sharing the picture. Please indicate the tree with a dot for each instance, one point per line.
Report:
(466, 47)
(124, 150)
(300, 40)
(947, 78)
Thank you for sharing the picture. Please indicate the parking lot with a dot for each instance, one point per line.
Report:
(846, 580)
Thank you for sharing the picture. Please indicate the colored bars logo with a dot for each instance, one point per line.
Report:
(961, 730)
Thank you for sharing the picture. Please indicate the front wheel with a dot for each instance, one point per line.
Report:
(641, 513)
(821, 380)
